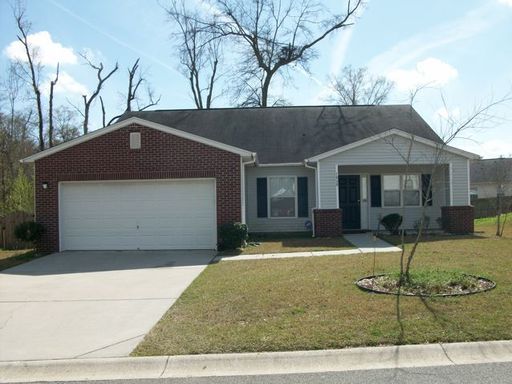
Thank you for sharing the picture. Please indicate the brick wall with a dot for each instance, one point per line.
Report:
(327, 222)
(458, 219)
(109, 157)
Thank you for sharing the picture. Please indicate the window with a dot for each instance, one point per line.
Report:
(401, 190)
(411, 190)
(392, 195)
(282, 196)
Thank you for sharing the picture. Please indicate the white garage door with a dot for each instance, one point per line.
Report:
(162, 214)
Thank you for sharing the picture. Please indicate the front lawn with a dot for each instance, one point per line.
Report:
(293, 242)
(11, 258)
(312, 303)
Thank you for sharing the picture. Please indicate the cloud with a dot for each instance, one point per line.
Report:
(506, 2)
(47, 51)
(66, 85)
(431, 71)
(446, 114)
(411, 49)
(488, 149)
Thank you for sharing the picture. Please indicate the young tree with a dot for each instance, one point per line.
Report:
(502, 175)
(199, 55)
(270, 36)
(355, 86)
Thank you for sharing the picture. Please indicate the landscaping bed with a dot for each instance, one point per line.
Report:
(11, 258)
(313, 303)
(289, 242)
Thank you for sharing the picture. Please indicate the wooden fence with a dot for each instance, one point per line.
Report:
(487, 207)
(7, 225)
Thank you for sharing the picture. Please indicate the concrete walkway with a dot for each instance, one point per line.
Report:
(264, 363)
(364, 243)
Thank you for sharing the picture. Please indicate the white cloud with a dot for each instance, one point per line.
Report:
(447, 114)
(432, 72)
(506, 2)
(66, 85)
(488, 149)
(47, 51)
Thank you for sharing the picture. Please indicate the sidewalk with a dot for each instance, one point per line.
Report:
(364, 243)
(406, 356)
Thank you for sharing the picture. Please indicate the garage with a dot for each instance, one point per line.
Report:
(131, 215)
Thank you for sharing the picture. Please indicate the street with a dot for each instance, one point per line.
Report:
(496, 373)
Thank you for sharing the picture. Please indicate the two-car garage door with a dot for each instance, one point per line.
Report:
(161, 214)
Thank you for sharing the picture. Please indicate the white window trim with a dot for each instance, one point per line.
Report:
(269, 197)
(402, 189)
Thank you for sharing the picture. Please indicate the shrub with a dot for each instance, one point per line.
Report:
(29, 231)
(392, 222)
(233, 236)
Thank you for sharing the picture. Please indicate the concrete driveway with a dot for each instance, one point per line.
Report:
(90, 304)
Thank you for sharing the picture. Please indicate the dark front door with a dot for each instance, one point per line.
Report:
(349, 195)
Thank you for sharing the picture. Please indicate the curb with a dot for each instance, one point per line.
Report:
(235, 364)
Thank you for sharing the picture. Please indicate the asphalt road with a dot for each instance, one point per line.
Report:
(497, 373)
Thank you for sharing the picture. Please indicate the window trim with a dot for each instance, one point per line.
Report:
(269, 197)
(402, 189)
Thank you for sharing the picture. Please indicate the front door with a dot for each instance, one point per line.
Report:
(350, 203)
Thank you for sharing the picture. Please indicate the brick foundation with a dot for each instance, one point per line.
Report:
(458, 219)
(327, 222)
(109, 157)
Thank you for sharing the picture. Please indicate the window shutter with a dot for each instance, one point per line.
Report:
(261, 192)
(302, 196)
(425, 181)
(375, 191)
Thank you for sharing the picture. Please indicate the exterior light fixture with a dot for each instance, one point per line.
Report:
(45, 185)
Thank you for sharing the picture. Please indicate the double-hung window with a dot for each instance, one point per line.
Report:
(401, 190)
(283, 196)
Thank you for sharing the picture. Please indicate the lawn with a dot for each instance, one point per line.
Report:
(293, 242)
(11, 258)
(312, 303)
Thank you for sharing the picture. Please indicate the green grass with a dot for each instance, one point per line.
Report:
(492, 220)
(11, 258)
(313, 303)
(291, 242)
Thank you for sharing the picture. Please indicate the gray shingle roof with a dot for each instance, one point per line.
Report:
(491, 170)
(291, 134)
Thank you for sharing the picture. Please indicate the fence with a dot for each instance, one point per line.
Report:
(487, 207)
(7, 225)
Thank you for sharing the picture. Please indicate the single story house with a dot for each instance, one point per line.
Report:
(491, 177)
(167, 179)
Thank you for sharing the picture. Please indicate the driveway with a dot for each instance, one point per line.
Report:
(90, 304)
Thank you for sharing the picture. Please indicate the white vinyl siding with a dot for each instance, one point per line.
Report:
(283, 224)
(156, 214)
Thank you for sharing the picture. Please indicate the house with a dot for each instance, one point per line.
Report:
(490, 177)
(166, 179)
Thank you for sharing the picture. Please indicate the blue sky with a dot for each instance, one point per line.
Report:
(462, 47)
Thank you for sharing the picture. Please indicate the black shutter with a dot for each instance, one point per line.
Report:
(375, 191)
(425, 181)
(302, 196)
(261, 192)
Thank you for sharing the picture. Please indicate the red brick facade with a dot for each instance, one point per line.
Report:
(109, 157)
(458, 219)
(327, 222)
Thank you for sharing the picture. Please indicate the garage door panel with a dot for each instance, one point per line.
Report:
(138, 215)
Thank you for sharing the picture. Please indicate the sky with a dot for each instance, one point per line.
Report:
(461, 48)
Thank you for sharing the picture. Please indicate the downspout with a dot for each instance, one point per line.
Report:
(242, 184)
(316, 195)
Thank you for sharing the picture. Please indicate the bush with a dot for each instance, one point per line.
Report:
(392, 222)
(233, 236)
(29, 231)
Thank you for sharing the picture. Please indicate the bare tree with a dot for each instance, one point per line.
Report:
(135, 80)
(67, 126)
(502, 175)
(271, 35)
(88, 100)
(355, 86)
(30, 71)
(452, 129)
(199, 55)
(50, 108)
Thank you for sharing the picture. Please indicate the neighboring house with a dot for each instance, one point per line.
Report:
(489, 177)
(168, 179)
